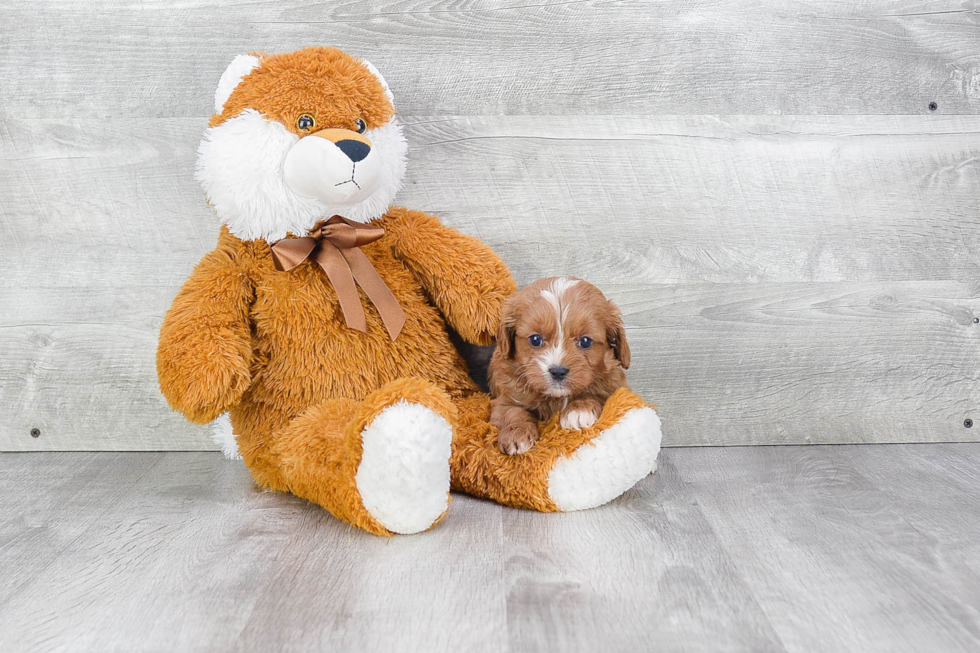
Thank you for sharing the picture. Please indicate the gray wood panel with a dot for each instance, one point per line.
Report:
(850, 548)
(187, 557)
(785, 279)
(93, 58)
(806, 363)
(644, 573)
(43, 499)
(800, 549)
(682, 199)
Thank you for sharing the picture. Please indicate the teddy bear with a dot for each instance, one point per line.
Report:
(321, 320)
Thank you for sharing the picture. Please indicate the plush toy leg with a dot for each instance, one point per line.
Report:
(566, 469)
(381, 464)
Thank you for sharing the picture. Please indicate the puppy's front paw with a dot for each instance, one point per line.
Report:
(580, 414)
(517, 438)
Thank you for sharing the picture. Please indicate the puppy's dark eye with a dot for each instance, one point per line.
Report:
(535, 340)
(361, 126)
(305, 122)
(585, 342)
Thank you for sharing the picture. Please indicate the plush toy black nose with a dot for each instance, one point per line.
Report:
(558, 372)
(355, 150)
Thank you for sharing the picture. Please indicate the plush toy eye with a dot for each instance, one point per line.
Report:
(361, 126)
(585, 342)
(535, 340)
(305, 122)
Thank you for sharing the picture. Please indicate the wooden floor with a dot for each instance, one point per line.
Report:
(820, 548)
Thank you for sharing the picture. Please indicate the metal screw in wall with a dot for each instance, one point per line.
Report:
(933, 106)
(35, 433)
(968, 423)
(976, 320)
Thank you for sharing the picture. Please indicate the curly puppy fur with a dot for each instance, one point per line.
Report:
(561, 350)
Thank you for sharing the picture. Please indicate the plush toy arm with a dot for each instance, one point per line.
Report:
(205, 347)
(465, 279)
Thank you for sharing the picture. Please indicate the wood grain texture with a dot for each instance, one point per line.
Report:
(850, 548)
(644, 573)
(162, 59)
(785, 279)
(806, 363)
(799, 549)
(192, 557)
(42, 504)
(678, 199)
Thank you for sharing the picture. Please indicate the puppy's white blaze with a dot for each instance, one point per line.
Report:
(553, 295)
(240, 166)
(613, 462)
(552, 356)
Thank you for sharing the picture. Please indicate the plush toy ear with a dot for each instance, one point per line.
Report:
(616, 338)
(377, 73)
(507, 330)
(240, 66)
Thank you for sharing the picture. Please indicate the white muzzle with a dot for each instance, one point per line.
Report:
(338, 167)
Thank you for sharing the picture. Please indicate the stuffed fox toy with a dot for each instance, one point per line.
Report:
(320, 321)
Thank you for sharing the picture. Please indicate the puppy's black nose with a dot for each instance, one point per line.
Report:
(558, 372)
(355, 150)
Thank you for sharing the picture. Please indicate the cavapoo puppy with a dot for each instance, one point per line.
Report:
(561, 348)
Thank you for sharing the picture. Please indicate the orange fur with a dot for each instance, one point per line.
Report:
(318, 452)
(479, 467)
(272, 348)
(522, 391)
(326, 83)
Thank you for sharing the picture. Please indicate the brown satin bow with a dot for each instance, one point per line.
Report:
(334, 246)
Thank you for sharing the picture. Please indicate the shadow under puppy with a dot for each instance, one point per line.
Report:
(561, 349)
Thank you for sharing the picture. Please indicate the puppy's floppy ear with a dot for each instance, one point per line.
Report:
(507, 329)
(616, 338)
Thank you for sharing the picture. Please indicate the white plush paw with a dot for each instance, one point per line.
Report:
(578, 418)
(403, 478)
(613, 462)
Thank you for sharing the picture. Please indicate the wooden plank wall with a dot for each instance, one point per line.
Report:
(791, 231)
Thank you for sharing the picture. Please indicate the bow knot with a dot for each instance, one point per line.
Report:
(335, 248)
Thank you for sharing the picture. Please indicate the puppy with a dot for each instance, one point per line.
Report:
(561, 348)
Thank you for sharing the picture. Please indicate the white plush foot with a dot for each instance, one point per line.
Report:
(613, 462)
(403, 477)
